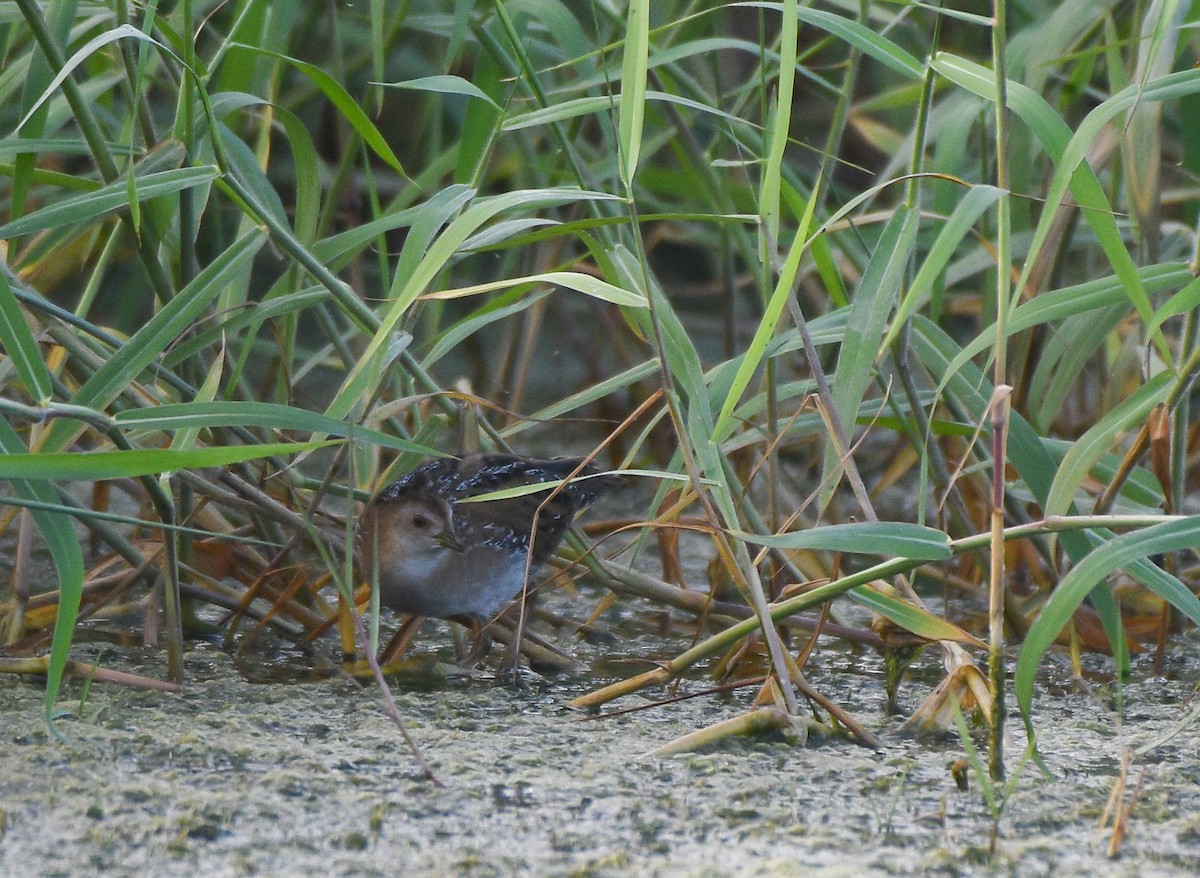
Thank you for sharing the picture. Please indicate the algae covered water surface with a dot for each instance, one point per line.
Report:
(234, 777)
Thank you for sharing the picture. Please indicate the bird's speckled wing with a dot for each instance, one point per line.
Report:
(507, 524)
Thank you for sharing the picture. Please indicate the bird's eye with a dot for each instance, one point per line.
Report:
(420, 522)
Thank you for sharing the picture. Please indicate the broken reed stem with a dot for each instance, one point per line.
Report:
(41, 664)
(724, 639)
(755, 722)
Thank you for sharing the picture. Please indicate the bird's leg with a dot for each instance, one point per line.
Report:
(515, 615)
(481, 642)
(543, 656)
(401, 640)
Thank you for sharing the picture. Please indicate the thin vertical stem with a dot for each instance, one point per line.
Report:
(1000, 404)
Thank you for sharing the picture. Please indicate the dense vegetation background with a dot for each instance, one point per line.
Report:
(729, 240)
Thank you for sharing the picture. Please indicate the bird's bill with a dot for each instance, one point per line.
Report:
(450, 541)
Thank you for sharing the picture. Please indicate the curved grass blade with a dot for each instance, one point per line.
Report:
(911, 618)
(91, 205)
(864, 39)
(572, 280)
(84, 52)
(184, 416)
(36, 70)
(20, 345)
(897, 538)
(442, 84)
(342, 100)
(483, 316)
(1088, 575)
(409, 285)
(1086, 452)
(59, 533)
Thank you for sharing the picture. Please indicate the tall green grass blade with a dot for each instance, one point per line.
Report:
(20, 345)
(182, 416)
(778, 128)
(876, 296)
(631, 112)
(1086, 577)
(896, 538)
(765, 331)
(968, 211)
(59, 533)
(97, 465)
(1100, 438)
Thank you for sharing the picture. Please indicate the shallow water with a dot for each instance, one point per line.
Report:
(235, 778)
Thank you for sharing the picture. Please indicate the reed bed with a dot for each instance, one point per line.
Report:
(786, 264)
